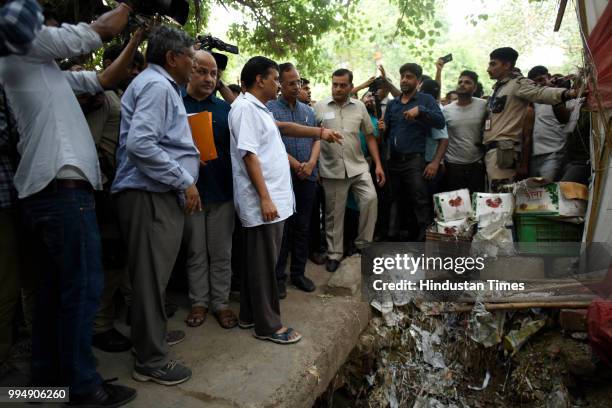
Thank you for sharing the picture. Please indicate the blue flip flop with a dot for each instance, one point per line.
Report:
(280, 338)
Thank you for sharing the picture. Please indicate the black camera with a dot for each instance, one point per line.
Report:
(209, 43)
(562, 82)
(378, 83)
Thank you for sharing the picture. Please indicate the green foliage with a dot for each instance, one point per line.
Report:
(303, 30)
(322, 35)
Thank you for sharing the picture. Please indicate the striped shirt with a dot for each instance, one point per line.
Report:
(20, 21)
(8, 153)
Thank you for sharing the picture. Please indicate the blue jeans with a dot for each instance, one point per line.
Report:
(66, 242)
(296, 233)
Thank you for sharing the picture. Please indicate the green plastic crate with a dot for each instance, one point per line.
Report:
(545, 233)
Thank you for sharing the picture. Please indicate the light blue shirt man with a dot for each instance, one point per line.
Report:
(156, 152)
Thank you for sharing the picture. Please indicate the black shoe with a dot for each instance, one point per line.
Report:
(171, 374)
(318, 258)
(303, 283)
(352, 250)
(105, 395)
(282, 290)
(332, 265)
(111, 341)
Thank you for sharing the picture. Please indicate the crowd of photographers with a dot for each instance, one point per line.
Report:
(101, 184)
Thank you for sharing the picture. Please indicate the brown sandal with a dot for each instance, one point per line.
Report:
(196, 316)
(226, 318)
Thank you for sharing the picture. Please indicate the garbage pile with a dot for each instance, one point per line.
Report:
(529, 357)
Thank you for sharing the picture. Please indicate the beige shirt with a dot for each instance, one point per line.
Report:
(104, 125)
(507, 112)
(338, 161)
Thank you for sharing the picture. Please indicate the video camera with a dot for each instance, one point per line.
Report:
(208, 43)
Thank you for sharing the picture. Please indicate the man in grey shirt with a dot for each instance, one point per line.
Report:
(157, 168)
(55, 180)
(464, 120)
(549, 139)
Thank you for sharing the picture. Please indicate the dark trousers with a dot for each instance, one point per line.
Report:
(407, 178)
(317, 241)
(152, 227)
(9, 276)
(64, 230)
(259, 302)
(113, 260)
(470, 176)
(295, 235)
(385, 200)
(237, 253)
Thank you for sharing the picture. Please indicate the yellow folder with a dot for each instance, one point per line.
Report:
(202, 133)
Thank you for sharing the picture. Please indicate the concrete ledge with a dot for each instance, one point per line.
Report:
(233, 369)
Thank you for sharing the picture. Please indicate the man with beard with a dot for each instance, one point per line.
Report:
(507, 156)
(549, 137)
(263, 196)
(464, 120)
(408, 123)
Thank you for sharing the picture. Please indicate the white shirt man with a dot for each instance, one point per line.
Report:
(254, 130)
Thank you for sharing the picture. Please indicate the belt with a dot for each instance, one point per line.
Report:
(402, 157)
(67, 184)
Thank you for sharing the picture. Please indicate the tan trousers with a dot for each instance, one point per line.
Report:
(495, 175)
(336, 194)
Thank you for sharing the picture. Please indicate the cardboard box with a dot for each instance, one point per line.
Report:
(455, 227)
(452, 205)
(489, 208)
(563, 199)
